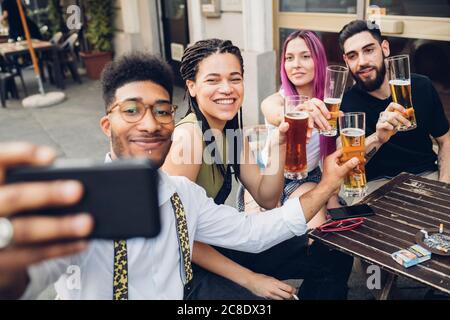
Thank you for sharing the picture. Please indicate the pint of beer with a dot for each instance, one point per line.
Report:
(295, 114)
(333, 105)
(352, 129)
(400, 84)
(336, 78)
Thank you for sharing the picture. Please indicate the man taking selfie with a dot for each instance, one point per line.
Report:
(139, 121)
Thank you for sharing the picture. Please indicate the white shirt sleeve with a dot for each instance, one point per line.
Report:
(225, 226)
(43, 275)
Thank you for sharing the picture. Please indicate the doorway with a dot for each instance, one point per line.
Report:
(175, 33)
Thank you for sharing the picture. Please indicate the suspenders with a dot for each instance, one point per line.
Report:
(183, 242)
(120, 284)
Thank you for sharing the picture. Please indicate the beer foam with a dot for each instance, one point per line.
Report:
(297, 115)
(353, 132)
(332, 100)
(400, 82)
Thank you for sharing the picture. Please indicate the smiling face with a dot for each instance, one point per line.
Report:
(218, 87)
(299, 63)
(145, 138)
(364, 56)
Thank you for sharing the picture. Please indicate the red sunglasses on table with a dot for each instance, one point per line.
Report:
(341, 225)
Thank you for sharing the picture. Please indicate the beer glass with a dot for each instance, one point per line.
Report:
(295, 114)
(353, 130)
(400, 84)
(335, 80)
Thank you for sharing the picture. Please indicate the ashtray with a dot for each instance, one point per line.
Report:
(420, 239)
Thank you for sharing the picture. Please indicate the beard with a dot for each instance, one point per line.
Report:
(371, 85)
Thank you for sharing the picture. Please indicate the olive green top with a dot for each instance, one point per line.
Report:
(209, 176)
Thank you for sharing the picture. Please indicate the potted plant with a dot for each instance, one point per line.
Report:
(99, 33)
(55, 17)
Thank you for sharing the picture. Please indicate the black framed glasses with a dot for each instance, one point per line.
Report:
(133, 111)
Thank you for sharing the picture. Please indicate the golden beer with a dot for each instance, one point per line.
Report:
(353, 145)
(401, 94)
(296, 162)
(333, 105)
(335, 81)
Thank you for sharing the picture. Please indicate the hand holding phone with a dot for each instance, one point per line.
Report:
(28, 243)
(121, 196)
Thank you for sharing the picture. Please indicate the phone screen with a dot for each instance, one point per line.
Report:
(362, 210)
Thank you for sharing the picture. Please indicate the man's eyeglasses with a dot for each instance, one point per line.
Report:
(133, 111)
(341, 225)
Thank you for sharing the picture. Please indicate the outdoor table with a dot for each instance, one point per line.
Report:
(9, 50)
(403, 207)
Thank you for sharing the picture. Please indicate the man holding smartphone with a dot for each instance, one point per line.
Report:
(139, 121)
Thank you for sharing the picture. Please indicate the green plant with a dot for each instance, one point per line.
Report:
(100, 28)
(55, 17)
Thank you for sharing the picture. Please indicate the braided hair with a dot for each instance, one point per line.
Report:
(192, 57)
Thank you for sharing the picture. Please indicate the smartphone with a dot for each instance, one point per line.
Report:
(122, 196)
(361, 210)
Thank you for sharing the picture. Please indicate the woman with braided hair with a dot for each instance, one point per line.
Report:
(215, 101)
(206, 151)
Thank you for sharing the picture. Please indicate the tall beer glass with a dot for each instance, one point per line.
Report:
(353, 130)
(295, 114)
(335, 80)
(400, 83)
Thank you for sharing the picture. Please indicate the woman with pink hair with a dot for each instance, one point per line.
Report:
(302, 71)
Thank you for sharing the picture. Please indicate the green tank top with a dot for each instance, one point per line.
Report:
(209, 176)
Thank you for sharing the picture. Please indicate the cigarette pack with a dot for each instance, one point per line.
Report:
(411, 256)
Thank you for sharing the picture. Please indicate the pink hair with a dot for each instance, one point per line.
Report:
(327, 144)
(320, 63)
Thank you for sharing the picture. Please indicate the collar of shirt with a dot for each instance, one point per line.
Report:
(166, 188)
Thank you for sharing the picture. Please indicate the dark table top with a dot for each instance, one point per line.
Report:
(403, 207)
(22, 47)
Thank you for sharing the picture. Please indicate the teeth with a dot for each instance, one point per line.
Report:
(225, 101)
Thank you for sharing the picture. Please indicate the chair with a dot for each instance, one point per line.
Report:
(67, 52)
(13, 69)
(57, 38)
(7, 83)
(70, 47)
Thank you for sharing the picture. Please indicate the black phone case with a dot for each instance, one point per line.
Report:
(122, 196)
(341, 214)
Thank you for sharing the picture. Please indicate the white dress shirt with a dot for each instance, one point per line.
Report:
(154, 265)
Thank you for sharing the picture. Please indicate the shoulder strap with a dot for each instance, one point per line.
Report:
(225, 190)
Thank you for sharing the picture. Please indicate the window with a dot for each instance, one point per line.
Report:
(429, 8)
(322, 6)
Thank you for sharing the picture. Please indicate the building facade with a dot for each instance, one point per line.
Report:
(259, 27)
